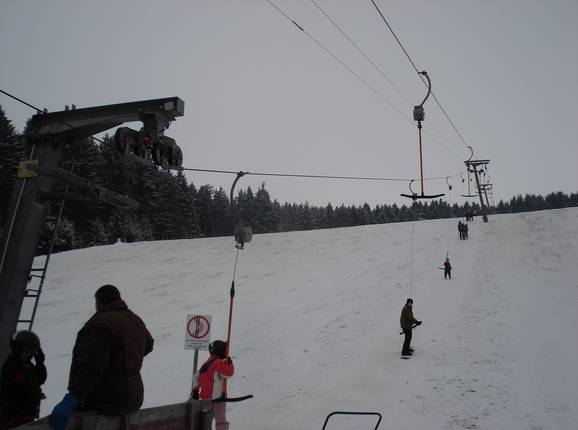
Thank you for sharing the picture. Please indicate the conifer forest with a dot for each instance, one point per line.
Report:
(172, 208)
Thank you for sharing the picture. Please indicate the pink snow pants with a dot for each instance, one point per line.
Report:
(220, 413)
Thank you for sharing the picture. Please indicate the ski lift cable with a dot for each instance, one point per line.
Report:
(249, 173)
(38, 110)
(418, 72)
(349, 69)
(370, 61)
(336, 58)
(313, 176)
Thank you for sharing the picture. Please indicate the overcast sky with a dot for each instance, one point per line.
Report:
(262, 96)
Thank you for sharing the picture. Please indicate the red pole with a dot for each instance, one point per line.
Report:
(230, 326)
(420, 158)
(232, 294)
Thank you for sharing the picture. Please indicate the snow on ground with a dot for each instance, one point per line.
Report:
(316, 321)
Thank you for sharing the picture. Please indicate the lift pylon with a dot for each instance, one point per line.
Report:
(469, 195)
(473, 166)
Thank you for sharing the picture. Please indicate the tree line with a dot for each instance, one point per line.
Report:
(171, 208)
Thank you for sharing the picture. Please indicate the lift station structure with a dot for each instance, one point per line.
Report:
(49, 136)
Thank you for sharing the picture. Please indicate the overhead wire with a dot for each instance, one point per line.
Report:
(370, 61)
(21, 101)
(418, 72)
(356, 46)
(312, 176)
(353, 72)
(336, 58)
(38, 110)
(294, 175)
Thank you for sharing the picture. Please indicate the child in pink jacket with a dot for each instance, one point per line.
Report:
(208, 382)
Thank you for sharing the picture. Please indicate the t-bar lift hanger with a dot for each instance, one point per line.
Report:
(419, 116)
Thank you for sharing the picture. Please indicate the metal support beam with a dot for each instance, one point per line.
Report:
(20, 241)
(90, 189)
(81, 123)
(48, 134)
(472, 166)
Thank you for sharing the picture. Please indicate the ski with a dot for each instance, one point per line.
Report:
(412, 327)
(233, 399)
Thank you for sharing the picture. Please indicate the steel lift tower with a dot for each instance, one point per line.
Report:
(473, 167)
(50, 134)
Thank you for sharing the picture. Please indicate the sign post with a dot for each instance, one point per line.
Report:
(197, 335)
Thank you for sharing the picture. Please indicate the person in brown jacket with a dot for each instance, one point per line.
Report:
(106, 361)
(407, 322)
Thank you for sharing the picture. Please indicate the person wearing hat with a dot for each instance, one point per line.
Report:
(208, 382)
(106, 361)
(20, 392)
(407, 322)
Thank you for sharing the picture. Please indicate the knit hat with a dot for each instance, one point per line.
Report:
(107, 294)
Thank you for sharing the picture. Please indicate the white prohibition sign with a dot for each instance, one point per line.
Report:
(198, 327)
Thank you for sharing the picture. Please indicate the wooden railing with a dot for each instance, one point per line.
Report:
(191, 415)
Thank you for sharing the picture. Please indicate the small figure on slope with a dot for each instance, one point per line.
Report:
(447, 269)
(407, 322)
(208, 382)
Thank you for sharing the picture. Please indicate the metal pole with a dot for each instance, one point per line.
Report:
(195, 364)
(21, 242)
(484, 212)
(420, 158)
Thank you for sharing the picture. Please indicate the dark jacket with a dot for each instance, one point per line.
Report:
(106, 361)
(406, 320)
(20, 392)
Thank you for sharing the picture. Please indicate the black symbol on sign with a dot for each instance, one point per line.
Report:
(198, 327)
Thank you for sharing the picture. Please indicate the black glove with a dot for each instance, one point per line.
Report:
(195, 394)
(39, 356)
(228, 360)
(418, 323)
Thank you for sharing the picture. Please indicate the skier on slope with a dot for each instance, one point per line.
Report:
(407, 322)
(208, 382)
(447, 269)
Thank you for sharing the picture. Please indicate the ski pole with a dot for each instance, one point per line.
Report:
(412, 327)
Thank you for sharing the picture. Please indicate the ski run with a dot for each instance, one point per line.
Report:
(316, 321)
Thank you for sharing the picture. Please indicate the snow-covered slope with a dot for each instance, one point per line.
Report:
(316, 321)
